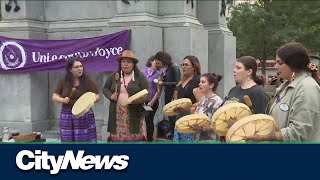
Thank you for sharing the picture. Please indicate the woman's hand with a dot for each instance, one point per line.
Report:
(114, 96)
(231, 121)
(270, 137)
(179, 110)
(254, 138)
(150, 103)
(65, 100)
(160, 83)
(196, 128)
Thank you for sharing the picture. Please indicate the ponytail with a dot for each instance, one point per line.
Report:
(260, 80)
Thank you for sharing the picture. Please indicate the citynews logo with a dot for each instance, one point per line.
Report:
(40, 160)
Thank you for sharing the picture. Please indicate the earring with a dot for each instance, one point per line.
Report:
(293, 76)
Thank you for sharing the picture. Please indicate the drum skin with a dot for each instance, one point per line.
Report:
(83, 104)
(227, 112)
(168, 109)
(185, 123)
(257, 124)
(134, 97)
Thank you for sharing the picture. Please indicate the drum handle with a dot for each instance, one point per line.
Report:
(248, 102)
(175, 95)
(116, 78)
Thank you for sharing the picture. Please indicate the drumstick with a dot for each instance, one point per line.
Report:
(175, 95)
(116, 78)
(248, 102)
(179, 83)
(73, 90)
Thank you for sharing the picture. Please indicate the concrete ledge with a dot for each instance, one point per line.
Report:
(26, 127)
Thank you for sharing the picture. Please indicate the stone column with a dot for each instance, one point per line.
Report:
(222, 43)
(183, 33)
(142, 18)
(25, 94)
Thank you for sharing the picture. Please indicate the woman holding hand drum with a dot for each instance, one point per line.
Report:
(126, 120)
(69, 89)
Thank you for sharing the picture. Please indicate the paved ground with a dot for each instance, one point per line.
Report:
(54, 140)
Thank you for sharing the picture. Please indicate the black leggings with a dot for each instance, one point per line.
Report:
(149, 120)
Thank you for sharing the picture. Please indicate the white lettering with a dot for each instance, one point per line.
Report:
(54, 57)
(122, 162)
(34, 58)
(119, 50)
(37, 57)
(40, 160)
(102, 52)
(19, 160)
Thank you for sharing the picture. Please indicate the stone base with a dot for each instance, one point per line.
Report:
(26, 127)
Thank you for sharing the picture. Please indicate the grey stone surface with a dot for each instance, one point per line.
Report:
(172, 26)
(15, 97)
(221, 60)
(221, 44)
(79, 10)
(24, 102)
(176, 8)
(138, 7)
(190, 41)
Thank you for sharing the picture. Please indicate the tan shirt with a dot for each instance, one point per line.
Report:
(296, 109)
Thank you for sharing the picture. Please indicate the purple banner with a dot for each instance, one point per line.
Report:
(98, 54)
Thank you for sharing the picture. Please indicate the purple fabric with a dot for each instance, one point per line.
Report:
(150, 78)
(98, 54)
(74, 129)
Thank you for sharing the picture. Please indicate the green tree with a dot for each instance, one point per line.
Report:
(0, 11)
(263, 26)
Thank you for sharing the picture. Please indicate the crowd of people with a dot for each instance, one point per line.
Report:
(295, 105)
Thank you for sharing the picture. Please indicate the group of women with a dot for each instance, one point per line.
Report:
(295, 105)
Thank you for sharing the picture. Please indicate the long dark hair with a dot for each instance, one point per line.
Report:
(213, 78)
(296, 56)
(69, 77)
(250, 62)
(195, 63)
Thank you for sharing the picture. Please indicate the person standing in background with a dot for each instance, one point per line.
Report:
(169, 77)
(151, 73)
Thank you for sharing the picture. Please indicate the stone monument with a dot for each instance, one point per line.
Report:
(179, 27)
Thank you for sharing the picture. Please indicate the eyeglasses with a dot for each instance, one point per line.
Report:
(76, 67)
(184, 65)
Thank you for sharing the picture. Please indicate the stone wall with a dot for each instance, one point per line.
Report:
(173, 26)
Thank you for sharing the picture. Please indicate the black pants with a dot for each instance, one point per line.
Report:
(172, 119)
(149, 120)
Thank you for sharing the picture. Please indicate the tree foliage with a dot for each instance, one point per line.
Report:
(263, 26)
